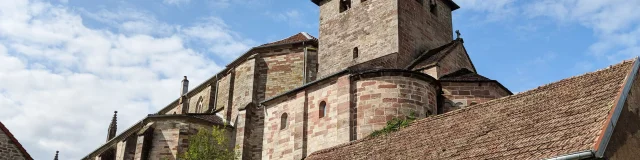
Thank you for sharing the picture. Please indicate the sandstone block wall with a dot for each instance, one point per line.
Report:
(205, 95)
(224, 88)
(242, 91)
(625, 139)
(280, 142)
(420, 30)
(333, 128)
(8, 150)
(280, 70)
(380, 99)
(459, 95)
(372, 26)
(306, 132)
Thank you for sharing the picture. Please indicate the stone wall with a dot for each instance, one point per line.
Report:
(224, 88)
(459, 95)
(420, 30)
(380, 99)
(279, 71)
(306, 132)
(205, 95)
(243, 90)
(8, 150)
(625, 139)
(333, 128)
(281, 141)
(372, 26)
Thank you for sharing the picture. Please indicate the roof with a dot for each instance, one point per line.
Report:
(464, 75)
(295, 39)
(300, 37)
(560, 118)
(433, 56)
(449, 3)
(15, 141)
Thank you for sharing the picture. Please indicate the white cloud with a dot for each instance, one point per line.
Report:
(213, 32)
(613, 23)
(61, 81)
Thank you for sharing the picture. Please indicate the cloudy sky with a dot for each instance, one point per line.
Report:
(66, 65)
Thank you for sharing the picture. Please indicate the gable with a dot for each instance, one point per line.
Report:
(10, 147)
(556, 119)
(447, 58)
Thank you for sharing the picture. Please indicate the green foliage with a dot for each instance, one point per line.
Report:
(210, 145)
(394, 125)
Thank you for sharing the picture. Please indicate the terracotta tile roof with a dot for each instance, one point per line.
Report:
(555, 119)
(464, 75)
(15, 141)
(433, 56)
(300, 37)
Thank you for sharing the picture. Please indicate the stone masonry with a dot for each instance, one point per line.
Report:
(9, 149)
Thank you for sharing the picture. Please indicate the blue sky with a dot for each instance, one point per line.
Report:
(66, 65)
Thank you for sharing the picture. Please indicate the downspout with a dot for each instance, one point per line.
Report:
(576, 156)
(215, 97)
(304, 70)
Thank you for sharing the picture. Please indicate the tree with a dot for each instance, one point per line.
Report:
(209, 145)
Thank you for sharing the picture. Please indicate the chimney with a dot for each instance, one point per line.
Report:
(185, 86)
(113, 126)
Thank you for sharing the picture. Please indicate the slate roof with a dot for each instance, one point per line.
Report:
(464, 75)
(433, 56)
(15, 141)
(560, 118)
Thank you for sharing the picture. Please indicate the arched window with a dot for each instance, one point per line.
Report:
(322, 109)
(355, 53)
(199, 105)
(283, 121)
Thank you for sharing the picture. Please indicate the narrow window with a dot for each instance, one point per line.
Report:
(433, 7)
(283, 121)
(355, 53)
(420, 1)
(345, 5)
(199, 106)
(361, 1)
(323, 109)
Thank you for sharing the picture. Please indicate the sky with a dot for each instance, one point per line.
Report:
(66, 65)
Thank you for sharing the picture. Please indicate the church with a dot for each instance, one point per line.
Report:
(304, 97)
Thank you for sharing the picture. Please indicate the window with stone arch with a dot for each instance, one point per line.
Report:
(283, 121)
(199, 105)
(322, 109)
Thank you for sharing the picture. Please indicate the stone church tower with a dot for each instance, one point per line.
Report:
(391, 32)
(375, 60)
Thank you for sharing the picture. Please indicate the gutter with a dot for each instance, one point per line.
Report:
(576, 156)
